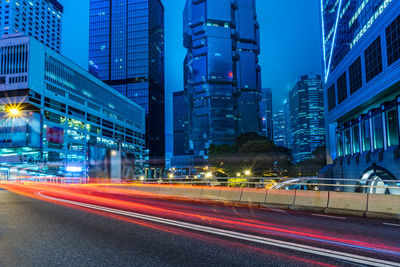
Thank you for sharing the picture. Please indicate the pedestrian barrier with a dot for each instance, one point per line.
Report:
(230, 194)
(383, 206)
(284, 198)
(316, 200)
(255, 196)
(210, 193)
(356, 204)
(347, 203)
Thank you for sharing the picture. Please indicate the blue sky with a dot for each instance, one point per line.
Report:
(290, 43)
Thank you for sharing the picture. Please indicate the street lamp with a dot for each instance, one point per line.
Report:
(238, 174)
(247, 172)
(14, 111)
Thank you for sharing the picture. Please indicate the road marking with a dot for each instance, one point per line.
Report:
(237, 235)
(392, 224)
(328, 216)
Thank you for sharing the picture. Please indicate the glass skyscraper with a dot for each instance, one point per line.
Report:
(266, 113)
(222, 72)
(180, 123)
(127, 50)
(307, 117)
(361, 51)
(41, 19)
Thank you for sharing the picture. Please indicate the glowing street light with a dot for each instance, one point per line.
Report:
(238, 174)
(247, 172)
(171, 175)
(208, 174)
(14, 111)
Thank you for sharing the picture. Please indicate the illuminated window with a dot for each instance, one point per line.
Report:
(378, 132)
(366, 136)
(355, 132)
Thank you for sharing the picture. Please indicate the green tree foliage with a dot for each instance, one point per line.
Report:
(252, 152)
(312, 166)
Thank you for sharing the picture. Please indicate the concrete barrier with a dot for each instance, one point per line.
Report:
(282, 198)
(230, 194)
(256, 196)
(210, 193)
(311, 200)
(383, 206)
(189, 192)
(147, 189)
(347, 203)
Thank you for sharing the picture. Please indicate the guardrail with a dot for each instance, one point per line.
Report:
(302, 183)
(343, 203)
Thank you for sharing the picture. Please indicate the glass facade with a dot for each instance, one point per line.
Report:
(127, 48)
(66, 117)
(41, 19)
(266, 113)
(307, 117)
(344, 23)
(180, 123)
(222, 76)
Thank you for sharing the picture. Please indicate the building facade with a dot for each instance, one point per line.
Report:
(58, 119)
(41, 19)
(307, 117)
(180, 124)
(222, 71)
(127, 49)
(266, 113)
(361, 50)
(279, 129)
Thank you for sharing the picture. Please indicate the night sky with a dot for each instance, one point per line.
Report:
(290, 44)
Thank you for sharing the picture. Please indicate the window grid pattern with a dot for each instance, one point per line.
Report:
(373, 59)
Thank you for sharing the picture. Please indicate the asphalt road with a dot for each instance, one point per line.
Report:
(38, 229)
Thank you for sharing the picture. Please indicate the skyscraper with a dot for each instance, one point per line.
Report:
(41, 19)
(307, 116)
(279, 129)
(266, 113)
(127, 46)
(361, 51)
(180, 123)
(222, 71)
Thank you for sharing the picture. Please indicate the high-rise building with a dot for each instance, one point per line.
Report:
(57, 119)
(266, 113)
(180, 123)
(361, 52)
(307, 116)
(127, 46)
(279, 129)
(288, 132)
(223, 75)
(41, 19)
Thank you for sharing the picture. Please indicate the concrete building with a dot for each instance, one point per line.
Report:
(41, 19)
(58, 119)
(307, 122)
(361, 51)
(222, 71)
(127, 48)
(266, 113)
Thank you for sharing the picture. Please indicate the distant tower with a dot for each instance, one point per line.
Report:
(266, 113)
(307, 116)
(223, 86)
(180, 123)
(41, 19)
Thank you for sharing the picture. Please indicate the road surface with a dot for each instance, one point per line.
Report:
(44, 225)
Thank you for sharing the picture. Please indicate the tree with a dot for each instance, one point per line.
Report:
(254, 152)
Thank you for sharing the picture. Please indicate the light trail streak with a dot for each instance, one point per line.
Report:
(92, 195)
(238, 235)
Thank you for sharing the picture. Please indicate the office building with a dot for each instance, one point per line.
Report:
(307, 117)
(223, 75)
(180, 124)
(58, 119)
(266, 113)
(41, 19)
(361, 51)
(127, 47)
(279, 129)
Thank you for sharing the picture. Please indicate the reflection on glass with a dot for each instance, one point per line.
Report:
(392, 127)
(356, 138)
(378, 132)
(366, 136)
(339, 142)
(347, 142)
